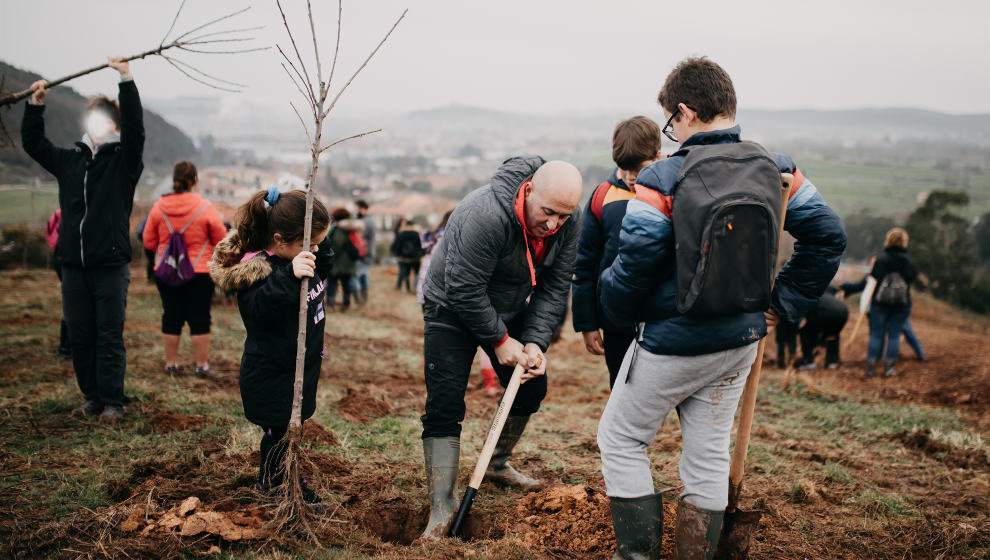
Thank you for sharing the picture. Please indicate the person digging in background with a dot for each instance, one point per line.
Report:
(821, 327)
(498, 280)
(698, 362)
(264, 261)
(96, 182)
(201, 227)
(635, 144)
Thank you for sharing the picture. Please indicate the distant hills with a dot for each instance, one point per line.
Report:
(165, 143)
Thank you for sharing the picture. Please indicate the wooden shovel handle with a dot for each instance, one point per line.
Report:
(748, 401)
(496, 429)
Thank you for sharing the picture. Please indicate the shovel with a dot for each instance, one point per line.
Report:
(488, 450)
(738, 525)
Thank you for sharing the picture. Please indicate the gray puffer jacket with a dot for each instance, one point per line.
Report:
(480, 272)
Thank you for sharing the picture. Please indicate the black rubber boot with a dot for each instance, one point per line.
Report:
(697, 532)
(442, 456)
(499, 469)
(638, 524)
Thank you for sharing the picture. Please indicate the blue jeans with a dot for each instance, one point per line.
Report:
(361, 275)
(886, 324)
(912, 340)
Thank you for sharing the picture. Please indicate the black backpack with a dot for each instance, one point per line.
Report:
(410, 245)
(892, 290)
(726, 215)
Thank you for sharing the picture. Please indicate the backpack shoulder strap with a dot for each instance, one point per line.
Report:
(598, 199)
(165, 216)
(193, 219)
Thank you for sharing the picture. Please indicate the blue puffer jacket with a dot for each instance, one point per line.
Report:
(640, 286)
(597, 248)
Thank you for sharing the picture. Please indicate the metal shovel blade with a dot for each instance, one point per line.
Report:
(737, 530)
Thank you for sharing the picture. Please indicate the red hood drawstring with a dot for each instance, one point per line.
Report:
(534, 245)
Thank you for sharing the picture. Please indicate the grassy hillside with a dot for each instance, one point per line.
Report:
(841, 466)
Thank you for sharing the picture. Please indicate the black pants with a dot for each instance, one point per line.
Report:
(188, 303)
(93, 304)
(63, 335)
(817, 332)
(346, 286)
(272, 454)
(407, 269)
(786, 335)
(448, 352)
(616, 343)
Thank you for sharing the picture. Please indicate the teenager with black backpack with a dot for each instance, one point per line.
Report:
(348, 248)
(694, 269)
(408, 250)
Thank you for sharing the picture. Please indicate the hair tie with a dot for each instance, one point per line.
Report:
(273, 195)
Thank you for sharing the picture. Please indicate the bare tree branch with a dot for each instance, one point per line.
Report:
(237, 51)
(298, 86)
(302, 63)
(352, 137)
(227, 32)
(316, 52)
(303, 123)
(174, 20)
(336, 49)
(365, 63)
(204, 74)
(211, 22)
(172, 61)
(309, 95)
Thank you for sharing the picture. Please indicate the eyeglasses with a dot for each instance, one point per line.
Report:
(668, 129)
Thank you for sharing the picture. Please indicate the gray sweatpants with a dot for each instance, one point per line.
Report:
(705, 389)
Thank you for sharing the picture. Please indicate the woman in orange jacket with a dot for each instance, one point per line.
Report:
(201, 227)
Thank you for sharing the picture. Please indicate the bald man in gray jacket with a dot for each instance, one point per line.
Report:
(499, 279)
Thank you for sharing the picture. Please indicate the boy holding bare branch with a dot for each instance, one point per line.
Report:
(96, 182)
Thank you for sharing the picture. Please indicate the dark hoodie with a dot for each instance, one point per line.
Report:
(95, 191)
(268, 299)
(597, 249)
(480, 271)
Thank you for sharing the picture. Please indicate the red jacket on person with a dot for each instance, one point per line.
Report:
(180, 208)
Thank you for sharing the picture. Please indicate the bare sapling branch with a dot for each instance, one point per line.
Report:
(293, 514)
(192, 45)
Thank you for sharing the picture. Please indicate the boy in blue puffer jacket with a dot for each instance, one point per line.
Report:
(697, 364)
(635, 144)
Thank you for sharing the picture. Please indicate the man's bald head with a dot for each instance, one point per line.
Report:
(551, 197)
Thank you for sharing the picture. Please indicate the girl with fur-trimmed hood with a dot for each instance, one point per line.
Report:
(264, 261)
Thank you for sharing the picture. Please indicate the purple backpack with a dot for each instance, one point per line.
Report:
(174, 267)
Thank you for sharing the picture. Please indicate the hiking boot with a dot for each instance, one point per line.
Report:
(871, 366)
(88, 408)
(638, 524)
(697, 532)
(441, 457)
(888, 369)
(499, 469)
(112, 414)
(172, 369)
(308, 495)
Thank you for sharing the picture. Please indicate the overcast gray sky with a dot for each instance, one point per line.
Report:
(548, 56)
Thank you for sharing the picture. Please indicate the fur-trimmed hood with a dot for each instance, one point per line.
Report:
(229, 272)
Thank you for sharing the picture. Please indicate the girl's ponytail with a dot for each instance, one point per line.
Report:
(252, 223)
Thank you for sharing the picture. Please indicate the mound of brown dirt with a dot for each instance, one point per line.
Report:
(572, 519)
(166, 421)
(960, 458)
(315, 432)
(360, 407)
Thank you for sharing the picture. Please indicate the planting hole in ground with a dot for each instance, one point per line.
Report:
(400, 523)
